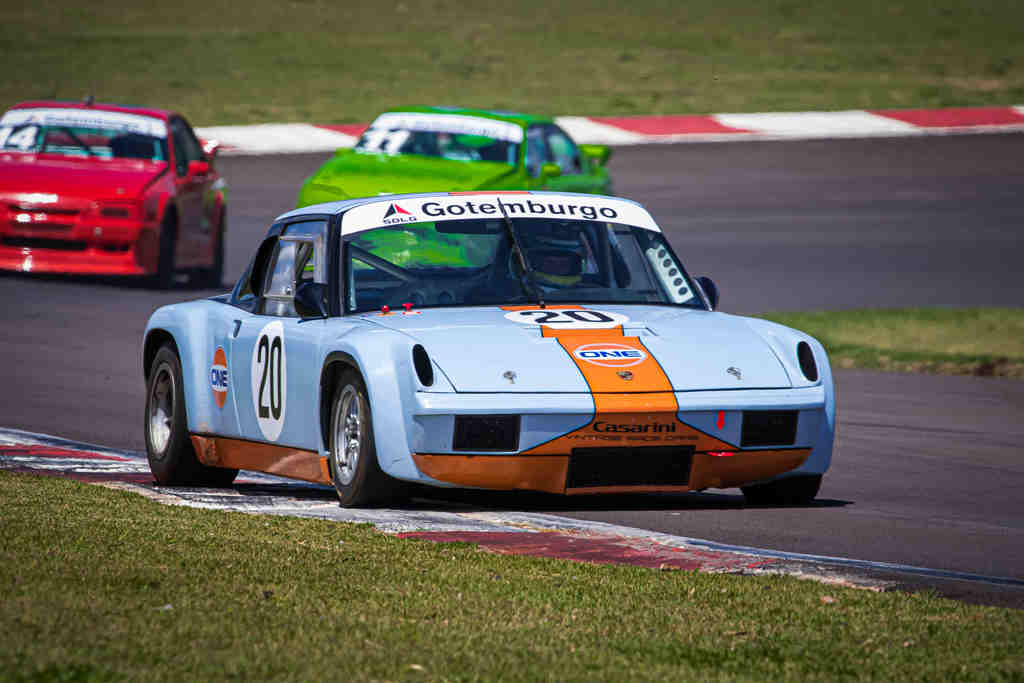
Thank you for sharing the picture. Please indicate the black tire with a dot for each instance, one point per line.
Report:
(355, 472)
(796, 490)
(210, 278)
(165, 269)
(172, 459)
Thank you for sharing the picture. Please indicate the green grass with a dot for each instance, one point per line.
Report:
(327, 61)
(97, 584)
(972, 341)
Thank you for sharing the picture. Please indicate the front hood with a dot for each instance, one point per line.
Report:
(476, 347)
(366, 175)
(90, 178)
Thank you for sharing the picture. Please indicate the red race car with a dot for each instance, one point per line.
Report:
(100, 189)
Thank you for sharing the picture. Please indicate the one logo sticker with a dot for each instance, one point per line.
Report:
(396, 214)
(610, 355)
(219, 377)
(568, 319)
(270, 380)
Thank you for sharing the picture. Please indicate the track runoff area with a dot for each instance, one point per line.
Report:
(282, 138)
(512, 532)
(524, 532)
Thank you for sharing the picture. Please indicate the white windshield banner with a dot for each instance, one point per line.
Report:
(86, 118)
(391, 212)
(456, 124)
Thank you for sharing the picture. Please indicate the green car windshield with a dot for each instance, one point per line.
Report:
(445, 136)
(475, 262)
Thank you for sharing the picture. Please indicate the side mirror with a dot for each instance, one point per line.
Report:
(598, 154)
(197, 170)
(550, 170)
(710, 291)
(311, 300)
(210, 148)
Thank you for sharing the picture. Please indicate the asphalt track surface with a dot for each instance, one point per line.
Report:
(928, 470)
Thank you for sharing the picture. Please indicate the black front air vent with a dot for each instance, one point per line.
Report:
(807, 364)
(486, 433)
(424, 369)
(618, 466)
(768, 428)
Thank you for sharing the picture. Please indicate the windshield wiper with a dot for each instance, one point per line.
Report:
(510, 230)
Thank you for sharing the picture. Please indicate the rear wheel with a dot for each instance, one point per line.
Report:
(172, 459)
(797, 490)
(356, 474)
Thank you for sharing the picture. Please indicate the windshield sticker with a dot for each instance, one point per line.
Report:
(22, 138)
(582, 319)
(86, 118)
(269, 380)
(455, 124)
(669, 273)
(462, 207)
(219, 377)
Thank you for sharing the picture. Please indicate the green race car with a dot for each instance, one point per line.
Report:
(427, 149)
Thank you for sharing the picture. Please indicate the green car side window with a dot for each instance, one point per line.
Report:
(563, 151)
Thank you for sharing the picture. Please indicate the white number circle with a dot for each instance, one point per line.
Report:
(568, 318)
(269, 378)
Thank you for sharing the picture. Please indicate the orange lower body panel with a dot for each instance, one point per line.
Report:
(217, 451)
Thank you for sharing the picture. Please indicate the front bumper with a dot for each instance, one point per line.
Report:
(695, 436)
(75, 237)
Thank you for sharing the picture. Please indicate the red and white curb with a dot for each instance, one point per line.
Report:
(283, 138)
(502, 531)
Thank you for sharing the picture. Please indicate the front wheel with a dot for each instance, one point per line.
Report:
(796, 490)
(166, 266)
(210, 278)
(356, 474)
(172, 459)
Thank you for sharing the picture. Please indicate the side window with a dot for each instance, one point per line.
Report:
(300, 257)
(186, 146)
(536, 150)
(563, 150)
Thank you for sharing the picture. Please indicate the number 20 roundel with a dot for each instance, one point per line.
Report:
(269, 379)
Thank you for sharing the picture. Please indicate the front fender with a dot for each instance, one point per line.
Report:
(384, 359)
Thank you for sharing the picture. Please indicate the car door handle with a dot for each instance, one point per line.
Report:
(238, 327)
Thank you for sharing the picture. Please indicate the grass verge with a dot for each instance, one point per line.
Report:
(97, 584)
(972, 341)
(326, 61)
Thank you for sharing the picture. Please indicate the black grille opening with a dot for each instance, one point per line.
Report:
(624, 466)
(43, 243)
(769, 428)
(486, 433)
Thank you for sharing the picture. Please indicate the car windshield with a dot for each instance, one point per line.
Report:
(475, 262)
(447, 136)
(83, 134)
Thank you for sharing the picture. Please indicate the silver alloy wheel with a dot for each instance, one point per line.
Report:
(348, 432)
(161, 409)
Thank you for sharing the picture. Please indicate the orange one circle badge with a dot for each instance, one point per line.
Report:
(219, 377)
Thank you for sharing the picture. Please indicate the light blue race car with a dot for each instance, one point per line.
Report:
(518, 340)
